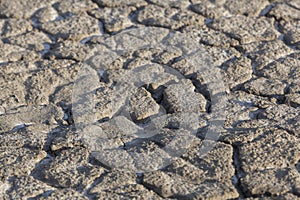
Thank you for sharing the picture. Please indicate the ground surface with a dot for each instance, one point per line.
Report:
(255, 44)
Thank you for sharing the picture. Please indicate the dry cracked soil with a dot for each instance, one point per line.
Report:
(254, 43)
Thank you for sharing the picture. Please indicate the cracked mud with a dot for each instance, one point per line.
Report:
(255, 44)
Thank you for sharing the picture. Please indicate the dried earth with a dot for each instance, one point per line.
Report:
(254, 43)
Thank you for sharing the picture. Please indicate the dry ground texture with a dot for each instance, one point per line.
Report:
(254, 43)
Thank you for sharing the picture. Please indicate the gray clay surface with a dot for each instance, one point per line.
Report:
(254, 43)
